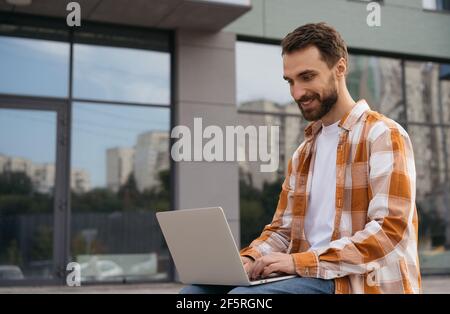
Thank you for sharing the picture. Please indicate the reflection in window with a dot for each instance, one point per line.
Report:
(445, 96)
(261, 88)
(121, 74)
(259, 190)
(422, 91)
(27, 180)
(34, 67)
(379, 81)
(427, 103)
(440, 5)
(122, 153)
(260, 74)
(447, 146)
(432, 199)
(291, 126)
(430, 162)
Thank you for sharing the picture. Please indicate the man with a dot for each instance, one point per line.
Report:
(346, 220)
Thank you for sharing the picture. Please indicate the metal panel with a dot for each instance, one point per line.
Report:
(202, 16)
(207, 15)
(56, 8)
(141, 12)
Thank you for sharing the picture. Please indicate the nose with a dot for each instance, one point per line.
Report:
(297, 91)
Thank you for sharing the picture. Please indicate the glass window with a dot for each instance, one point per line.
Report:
(379, 81)
(422, 96)
(27, 180)
(425, 96)
(259, 190)
(431, 197)
(447, 151)
(440, 5)
(119, 174)
(445, 96)
(34, 67)
(262, 89)
(120, 155)
(291, 126)
(429, 157)
(260, 74)
(121, 74)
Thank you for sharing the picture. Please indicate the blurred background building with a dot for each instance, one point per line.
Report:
(86, 114)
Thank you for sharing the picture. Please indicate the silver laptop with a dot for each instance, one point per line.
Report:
(203, 248)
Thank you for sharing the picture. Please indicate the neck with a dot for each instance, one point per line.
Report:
(344, 104)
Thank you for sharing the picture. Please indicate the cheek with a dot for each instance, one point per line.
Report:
(321, 89)
(315, 86)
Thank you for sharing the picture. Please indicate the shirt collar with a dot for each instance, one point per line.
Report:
(347, 122)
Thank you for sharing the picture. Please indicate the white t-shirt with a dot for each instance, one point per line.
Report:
(319, 221)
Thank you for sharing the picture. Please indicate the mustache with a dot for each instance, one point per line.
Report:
(307, 98)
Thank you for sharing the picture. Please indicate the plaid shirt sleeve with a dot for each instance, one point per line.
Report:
(390, 213)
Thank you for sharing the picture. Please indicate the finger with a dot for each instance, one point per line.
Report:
(272, 268)
(260, 265)
(257, 268)
(248, 268)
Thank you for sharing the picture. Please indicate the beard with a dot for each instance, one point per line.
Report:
(326, 103)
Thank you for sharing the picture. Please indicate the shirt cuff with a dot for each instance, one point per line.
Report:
(306, 264)
(251, 252)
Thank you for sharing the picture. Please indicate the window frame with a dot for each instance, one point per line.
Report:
(97, 34)
(443, 127)
(437, 7)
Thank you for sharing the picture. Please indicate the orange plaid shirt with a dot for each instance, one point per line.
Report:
(373, 247)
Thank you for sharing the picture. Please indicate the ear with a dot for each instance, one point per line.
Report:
(341, 68)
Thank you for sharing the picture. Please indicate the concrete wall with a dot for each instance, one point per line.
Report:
(405, 27)
(205, 87)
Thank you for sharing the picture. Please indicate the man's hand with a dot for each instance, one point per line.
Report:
(272, 263)
(248, 264)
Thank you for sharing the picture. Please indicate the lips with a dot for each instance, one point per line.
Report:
(307, 104)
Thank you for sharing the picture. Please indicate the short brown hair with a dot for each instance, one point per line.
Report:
(321, 35)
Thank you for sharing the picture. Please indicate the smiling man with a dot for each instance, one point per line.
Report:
(346, 220)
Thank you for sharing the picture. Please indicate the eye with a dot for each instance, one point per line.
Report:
(308, 77)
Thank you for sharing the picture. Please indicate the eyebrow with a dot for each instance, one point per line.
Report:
(301, 74)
